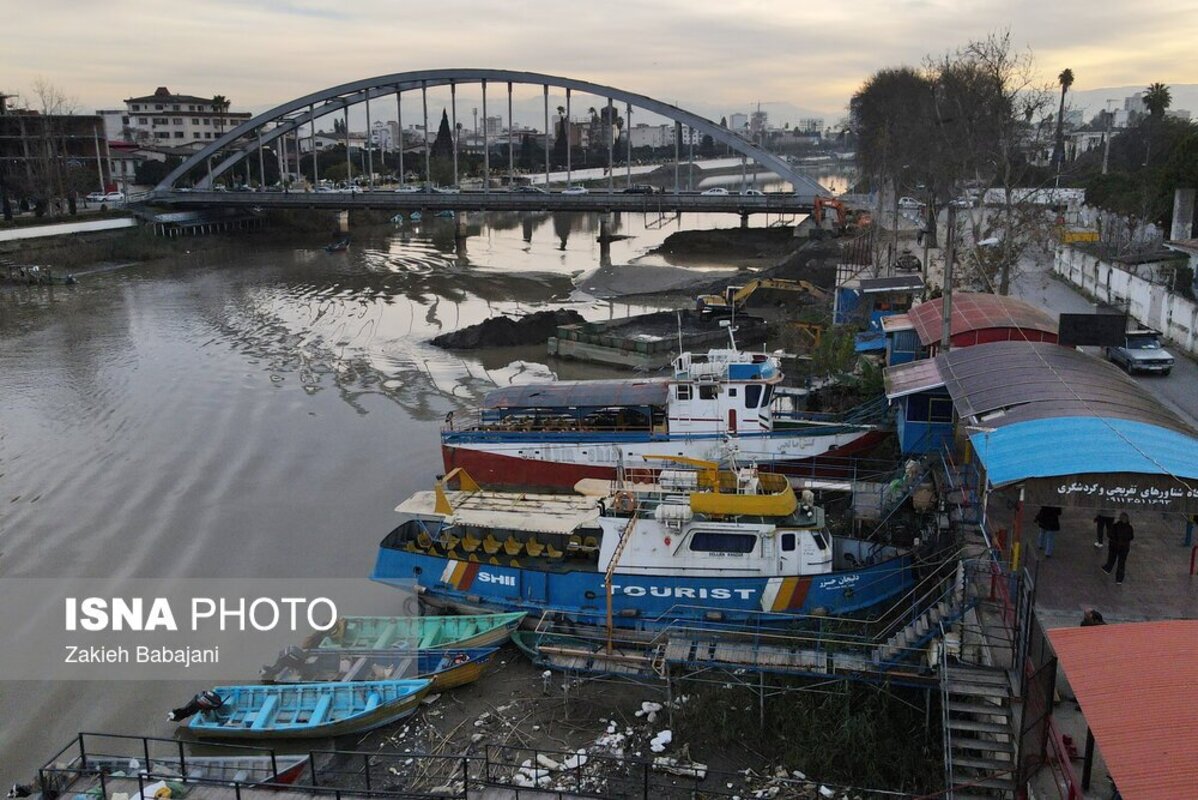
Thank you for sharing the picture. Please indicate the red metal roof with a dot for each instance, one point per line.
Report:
(975, 312)
(1137, 685)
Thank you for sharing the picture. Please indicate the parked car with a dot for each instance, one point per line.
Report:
(752, 193)
(1141, 351)
(529, 190)
(95, 197)
(114, 197)
(909, 202)
(409, 189)
(575, 190)
(447, 190)
(717, 191)
(640, 188)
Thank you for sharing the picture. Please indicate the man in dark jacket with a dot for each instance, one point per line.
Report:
(1120, 537)
(1049, 520)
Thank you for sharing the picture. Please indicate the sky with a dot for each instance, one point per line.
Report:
(711, 56)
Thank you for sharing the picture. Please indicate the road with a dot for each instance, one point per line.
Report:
(1038, 285)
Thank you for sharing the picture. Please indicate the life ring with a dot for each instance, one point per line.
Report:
(623, 502)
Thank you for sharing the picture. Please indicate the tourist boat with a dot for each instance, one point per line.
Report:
(417, 633)
(555, 434)
(446, 668)
(280, 769)
(734, 548)
(307, 710)
(594, 654)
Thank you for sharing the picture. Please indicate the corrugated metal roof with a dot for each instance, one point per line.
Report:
(1046, 448)
(574, 394)
(914, 376)
(897, 322)
(1137, 685)
(974, 312)
(1004, 383)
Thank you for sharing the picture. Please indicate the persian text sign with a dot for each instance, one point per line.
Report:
(1121, 491)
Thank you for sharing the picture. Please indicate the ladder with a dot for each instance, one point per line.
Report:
(625, 535)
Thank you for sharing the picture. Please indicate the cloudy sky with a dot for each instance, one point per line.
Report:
(715, 56)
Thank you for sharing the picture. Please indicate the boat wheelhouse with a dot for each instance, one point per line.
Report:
(741, 549)
(555, 434)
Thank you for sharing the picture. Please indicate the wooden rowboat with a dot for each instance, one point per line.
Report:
(307, 710)
(282, 769)
(446, 668)
(417, 633)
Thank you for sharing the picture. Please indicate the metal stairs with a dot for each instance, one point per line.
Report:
(979, 742)
(911, 640)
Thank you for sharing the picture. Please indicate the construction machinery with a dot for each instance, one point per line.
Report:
(735, 297)
(818, 212)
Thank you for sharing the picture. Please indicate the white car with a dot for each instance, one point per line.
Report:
(355, 189)
(909, 202)
(718, 191)
(95, 197)
(447, 190)
(752, 193)
(114, 197)
(409, 189)
(574, 190)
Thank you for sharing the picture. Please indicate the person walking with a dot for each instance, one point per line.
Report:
(1121, 535)
(1049, 520)
(1103, 522)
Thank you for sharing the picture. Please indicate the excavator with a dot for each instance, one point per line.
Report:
(735, 297)
(822, 205)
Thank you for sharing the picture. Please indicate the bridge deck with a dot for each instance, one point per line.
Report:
(490, 201)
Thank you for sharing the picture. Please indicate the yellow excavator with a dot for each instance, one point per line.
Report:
(735, 297)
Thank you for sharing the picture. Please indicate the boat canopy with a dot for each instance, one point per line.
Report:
(580, 394)
(536, 513)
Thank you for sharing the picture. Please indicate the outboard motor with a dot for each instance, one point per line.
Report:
(291, 658)
(206, 700)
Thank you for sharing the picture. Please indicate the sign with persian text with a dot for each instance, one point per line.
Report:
(1123, 491)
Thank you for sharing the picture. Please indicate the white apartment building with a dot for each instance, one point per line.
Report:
(170, 120)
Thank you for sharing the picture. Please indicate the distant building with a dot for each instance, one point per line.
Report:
(811, 125)
(1178, 113)
(738, 122)
(48, 156)
(1135, 104)
(169, 119)
(493, 126)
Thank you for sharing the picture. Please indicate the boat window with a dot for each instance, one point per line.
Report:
(707, 391)
(820, 541)
(732, 392)
(711, 542)
(768, 396)
(788, 542)
(683, 391)
(752, 396)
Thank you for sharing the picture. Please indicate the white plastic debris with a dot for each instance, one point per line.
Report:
(648, 708)
(658, 743)
(799, 775)
(826, 792)
(575, 761)
(547, 762)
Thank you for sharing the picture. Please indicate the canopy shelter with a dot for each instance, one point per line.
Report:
(1137, 686)
(1068, 428)
(580, 394)
(978, 318)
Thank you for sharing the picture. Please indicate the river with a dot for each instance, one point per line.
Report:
(254, 409)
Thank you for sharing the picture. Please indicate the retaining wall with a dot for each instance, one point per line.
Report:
(1150, 304)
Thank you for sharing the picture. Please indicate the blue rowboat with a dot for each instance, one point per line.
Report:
(307, 710)
(446, 668)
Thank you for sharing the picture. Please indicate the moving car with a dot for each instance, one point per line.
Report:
(575, 190)
(640, 188)
(717, 191)
(529, 190)
(409, 189)
(114, 197)
(752, 193)
(1141, 351)
(95, 197)
(447, 190)
(909, 202)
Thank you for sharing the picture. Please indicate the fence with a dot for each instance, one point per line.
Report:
(1149, 303)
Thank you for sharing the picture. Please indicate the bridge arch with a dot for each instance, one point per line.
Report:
(291, 116)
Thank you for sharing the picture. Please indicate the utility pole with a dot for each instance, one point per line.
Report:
(1106, 148)
(950, 242)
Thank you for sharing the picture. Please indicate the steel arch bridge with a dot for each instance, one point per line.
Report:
(241, 142)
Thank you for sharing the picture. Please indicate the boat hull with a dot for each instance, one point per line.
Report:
(644, 600)
(562, 464)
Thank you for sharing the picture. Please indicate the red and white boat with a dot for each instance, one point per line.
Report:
(724, 403)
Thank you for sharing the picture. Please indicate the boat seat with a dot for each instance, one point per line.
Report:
(514, 563)
(322, 708)
(449, 541)
(384, 638)
(454, 554)
(494, 562)
(491, 545)
(552, 551)
(266, 714)
(470, 543)
(472, 557)
(372, 701)
(513, 546)
(412, 548)
(424, 540)
(534, 547)
(590, 543)
(574, 542)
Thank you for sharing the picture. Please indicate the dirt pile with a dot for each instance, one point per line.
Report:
(507, 332)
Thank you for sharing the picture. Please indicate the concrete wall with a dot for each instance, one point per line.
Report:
(1148, 303)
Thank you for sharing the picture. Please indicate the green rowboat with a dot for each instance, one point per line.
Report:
(418, 633)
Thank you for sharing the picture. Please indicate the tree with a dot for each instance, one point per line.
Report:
(1157, 98)
(220, 104)
(561, 138)
(1065, 79)
(443, 144)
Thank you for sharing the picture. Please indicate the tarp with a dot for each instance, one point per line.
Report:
(580, 394)
(535, 513)
(1137, 685)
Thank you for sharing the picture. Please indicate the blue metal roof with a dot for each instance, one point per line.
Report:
(1045, 448)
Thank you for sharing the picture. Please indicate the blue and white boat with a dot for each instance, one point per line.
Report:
(556, 434)
(644, 555)
(307, 710)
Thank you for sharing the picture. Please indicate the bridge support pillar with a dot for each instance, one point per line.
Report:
(343, 220)
(744, 219)
(605, 238)
(459, 226)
